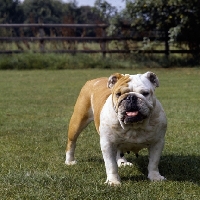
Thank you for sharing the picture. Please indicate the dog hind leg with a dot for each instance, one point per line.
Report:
(81, 117)
(75, 128)
(121, 160)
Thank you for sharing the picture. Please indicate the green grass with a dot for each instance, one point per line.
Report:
(35, 108)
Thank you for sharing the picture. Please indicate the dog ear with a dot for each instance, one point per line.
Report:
(153, 78)
(113, 79)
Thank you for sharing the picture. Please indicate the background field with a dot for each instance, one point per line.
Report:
(35, 108)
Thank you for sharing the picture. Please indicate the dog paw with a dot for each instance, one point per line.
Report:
(113, 182)
(123, 162)
(70, 162)
(155, 176)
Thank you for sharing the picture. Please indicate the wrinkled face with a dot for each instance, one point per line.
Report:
(133, 97)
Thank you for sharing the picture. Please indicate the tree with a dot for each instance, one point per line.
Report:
(11, 11)
(188, 29)
(104, 9)
(178, 19)
(152, 15)
(45, 11)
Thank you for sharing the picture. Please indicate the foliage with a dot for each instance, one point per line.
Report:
(50, 11)
(105, 10)
(178, 19)
(54, 11)
(32, 61)
(187, 30)
(44, 11)
(35, 110)
(11, 11)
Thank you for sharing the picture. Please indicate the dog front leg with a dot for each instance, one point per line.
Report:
(109, 152)
(155, 151)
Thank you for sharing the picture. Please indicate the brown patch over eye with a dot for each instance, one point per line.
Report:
(125, 90)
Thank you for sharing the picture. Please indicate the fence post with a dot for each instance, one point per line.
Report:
(166, 43)
(41, 34)
(104, 42)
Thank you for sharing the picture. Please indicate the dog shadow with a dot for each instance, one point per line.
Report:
(173, 167)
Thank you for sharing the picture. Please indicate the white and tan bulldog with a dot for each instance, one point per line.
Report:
(127, 116)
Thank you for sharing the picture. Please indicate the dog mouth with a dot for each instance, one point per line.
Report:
(130, 117)
(132, 114)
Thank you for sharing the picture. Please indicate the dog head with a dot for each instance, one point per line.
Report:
(133, 96)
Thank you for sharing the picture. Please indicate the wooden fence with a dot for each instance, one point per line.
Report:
(102, 40)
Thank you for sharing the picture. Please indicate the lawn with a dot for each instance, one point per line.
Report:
(35, 108)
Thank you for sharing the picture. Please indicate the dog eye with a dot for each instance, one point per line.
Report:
(118, 94)
(145, 93)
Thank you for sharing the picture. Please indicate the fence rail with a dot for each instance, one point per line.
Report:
(55, 25)
(102, 40)
(75, 38)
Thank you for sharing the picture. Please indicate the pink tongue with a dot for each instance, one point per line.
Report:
(132, 114)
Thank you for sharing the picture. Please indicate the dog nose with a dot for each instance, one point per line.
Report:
(131, 98)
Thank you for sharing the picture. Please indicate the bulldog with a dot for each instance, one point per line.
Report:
(127, 116)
